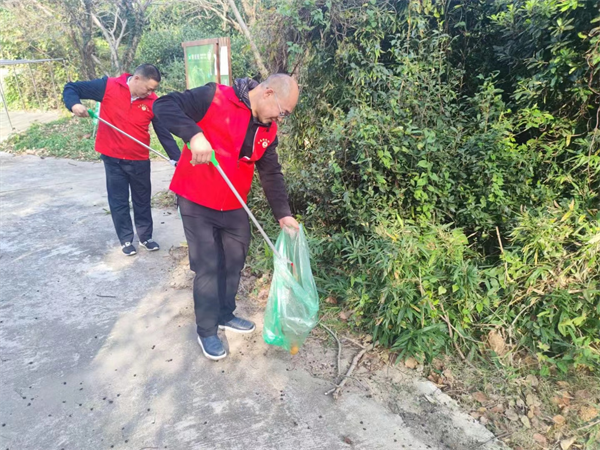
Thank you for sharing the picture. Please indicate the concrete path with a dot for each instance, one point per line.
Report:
(98, 350)
(21, 120)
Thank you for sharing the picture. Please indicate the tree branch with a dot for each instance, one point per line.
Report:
(259, 62)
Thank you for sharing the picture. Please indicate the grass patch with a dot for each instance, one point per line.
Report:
(165, 200)
(64, 138)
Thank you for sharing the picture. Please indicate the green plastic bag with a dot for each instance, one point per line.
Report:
(293, 305)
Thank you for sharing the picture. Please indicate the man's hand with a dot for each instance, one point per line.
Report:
(79, 110)
(289, 221)
(201, 149)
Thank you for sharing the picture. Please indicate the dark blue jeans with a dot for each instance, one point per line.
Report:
(218, 244)
(121, 176)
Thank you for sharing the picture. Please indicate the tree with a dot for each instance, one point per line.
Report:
(121, 23)
(42, 25)
(222, 8)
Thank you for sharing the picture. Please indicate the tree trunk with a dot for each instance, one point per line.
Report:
(138, 20)
(259, 62)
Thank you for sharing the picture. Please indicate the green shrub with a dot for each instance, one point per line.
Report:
(446, 196)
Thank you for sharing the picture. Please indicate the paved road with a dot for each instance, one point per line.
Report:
(98, 352)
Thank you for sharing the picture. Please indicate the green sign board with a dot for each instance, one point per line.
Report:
(201, 65)
(207, 61)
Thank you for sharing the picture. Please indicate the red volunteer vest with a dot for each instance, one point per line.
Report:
(131, 117)
(224, 126)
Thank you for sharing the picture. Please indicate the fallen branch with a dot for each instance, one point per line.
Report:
(336, 390)
(339, 354)
(358, 344)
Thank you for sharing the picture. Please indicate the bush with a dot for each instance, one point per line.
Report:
(447, 197)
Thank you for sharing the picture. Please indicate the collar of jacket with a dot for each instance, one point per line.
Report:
(242, 88)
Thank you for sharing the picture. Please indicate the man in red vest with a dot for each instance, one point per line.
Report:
(240, 124)
(126, 103)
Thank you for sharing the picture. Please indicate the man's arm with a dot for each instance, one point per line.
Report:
(75, 91)
(178, 112)
(272, 182)
(166, 140)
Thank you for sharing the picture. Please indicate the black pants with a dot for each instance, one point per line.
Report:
(218, 244)
(121, 175)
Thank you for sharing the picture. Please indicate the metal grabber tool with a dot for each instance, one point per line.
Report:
(95, 116)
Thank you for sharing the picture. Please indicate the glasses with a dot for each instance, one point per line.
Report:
(283, 114)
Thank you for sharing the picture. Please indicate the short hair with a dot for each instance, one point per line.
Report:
(281, 82)
(148, 71)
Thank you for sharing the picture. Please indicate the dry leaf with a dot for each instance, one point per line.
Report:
(437, 364)
(435, 378)
(561, 401)
(263, 294)
(558, 419)
(563, 384)
(525, 421)
(511, 414)
(331, 300)
(532, 380)
(496, 343)
(484, 420)
(344, 315)
(498, 409)
(480, 397)
(448, 375)
(582, 394)
(587, 413)
(411, 363)
(532, 400)
(540, 439)
(565, 444)
(475, 415)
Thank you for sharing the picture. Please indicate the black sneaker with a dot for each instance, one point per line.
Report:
(128, 249)
(238, 325)
(212, 347)
(150, 245)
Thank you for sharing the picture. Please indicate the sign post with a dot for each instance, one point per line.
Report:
(207, 60)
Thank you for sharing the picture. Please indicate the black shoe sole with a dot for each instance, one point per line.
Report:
(214, 358)
(150, 249)
(130, 254)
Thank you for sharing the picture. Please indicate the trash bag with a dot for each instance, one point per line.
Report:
(293, 305)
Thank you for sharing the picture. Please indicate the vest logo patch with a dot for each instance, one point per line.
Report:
(264, 142)
(143, 107)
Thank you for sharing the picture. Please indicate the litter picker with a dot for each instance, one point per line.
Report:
(95, 116)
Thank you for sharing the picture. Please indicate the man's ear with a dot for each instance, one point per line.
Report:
(267, 92)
